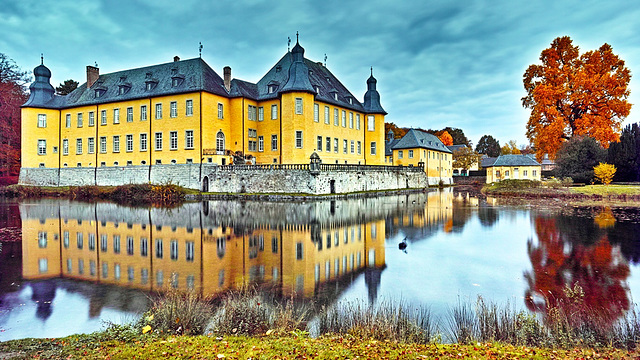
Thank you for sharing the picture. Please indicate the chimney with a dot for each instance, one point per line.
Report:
(227, 77)
(176, 58)
(93, 73)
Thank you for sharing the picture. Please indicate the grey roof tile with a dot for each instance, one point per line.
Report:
(515, 160)
(420, 139)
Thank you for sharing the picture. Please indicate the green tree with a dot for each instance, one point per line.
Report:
(459, 138)
(577, 158)
(465, 158)
(12, 95)
(66, 87)
(488, 146)
(625, 154)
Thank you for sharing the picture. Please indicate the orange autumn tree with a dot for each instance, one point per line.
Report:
(446, 138)
(575, 95)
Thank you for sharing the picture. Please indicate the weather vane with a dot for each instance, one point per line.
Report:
(325, 60)
(200, 49)
(41, 59)
(372, 71)
(96, 64)
(288, 43)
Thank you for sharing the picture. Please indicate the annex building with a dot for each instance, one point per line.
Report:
(176, 122)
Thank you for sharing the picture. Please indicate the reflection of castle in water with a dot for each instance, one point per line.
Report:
(216, 245)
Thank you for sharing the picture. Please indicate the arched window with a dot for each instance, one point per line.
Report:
(220, 143)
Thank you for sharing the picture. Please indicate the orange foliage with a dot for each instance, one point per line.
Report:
(559, 265)
(446, 138)
(572, 94)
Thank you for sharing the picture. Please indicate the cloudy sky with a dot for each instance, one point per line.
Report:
(438, 63)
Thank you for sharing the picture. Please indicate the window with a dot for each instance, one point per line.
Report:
(42, 240)
(79, 120)
(260, 143)
(319, 145)
(65, 147)
(335, 145)
(274, 142)
(143, 142)
(159, 141)
(344, 146)
(534, 173)
(524, 173)
(410, 154)
(103, 117)
(344, 118)
(92, 242)
(189, 108)
(506, 173)
(189, 250)
(144, 246)
(103, 144)
(173, 140)
(158, 111)
(220, 111)
(371, 123)
(251, 112)
(326, 115)
(42, 120)
(68, 121)
(252, 145)
(129, 143)
(103, 242)
(143, 112)
(299, 106)
(78, 146)
(298, 139)
(299, 251)
(328, 144)
(173, 109)
(400, 154)
(92, 118)
(116, 244)
(129, 114)
(91, 146)
(252, 133)
(353, 147)
(359, 147)
(159, 248)
(260, 113)
(274, 112)
(350, 120)
(116, 143)
(220, 143)
(373, 148)
(188, 139)
(336, 121)
(357, 121)
(116, 116)
(174, 249)
(316, 112)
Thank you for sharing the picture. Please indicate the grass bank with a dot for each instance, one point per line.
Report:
(133, 194)
(623, 195)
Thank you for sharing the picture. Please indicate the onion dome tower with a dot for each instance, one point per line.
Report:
(298, 72)
(372, 97)
(41, 89)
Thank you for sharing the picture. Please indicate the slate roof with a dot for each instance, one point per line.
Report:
(455, 148)
(388, 146)
(420, 139)
(515, 160)
(196, 75)
(487, 161)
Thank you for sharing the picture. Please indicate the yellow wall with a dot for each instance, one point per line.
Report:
(436, 163)
(31, 133)
(493, 176)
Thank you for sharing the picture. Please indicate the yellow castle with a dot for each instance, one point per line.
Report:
(164, 123)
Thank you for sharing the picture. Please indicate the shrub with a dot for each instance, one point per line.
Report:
(176, 312)
(242, 313)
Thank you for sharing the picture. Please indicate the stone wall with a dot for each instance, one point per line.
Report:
(39, 176)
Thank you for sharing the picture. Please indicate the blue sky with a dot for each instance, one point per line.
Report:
(438, 63)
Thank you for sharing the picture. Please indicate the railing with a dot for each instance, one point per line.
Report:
(319, 167)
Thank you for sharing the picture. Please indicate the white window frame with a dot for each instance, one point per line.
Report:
(400, 154)
(65, 146)
(79, 119)
(298, 106)
(359, 147)
(173, 109)
(261, 113)
(129, 142)
(143, 112)
(316, 112)
(130, 114)
(274, 142)
(350, 120)
(410, 154)
(68, 121)
(335, 145)
(42, 147)
(336, 118)
(260, 143)
(357, 121)
(274, 112)
(371, 123)
(42, 120)
(327, 115)
(92, 118)
(116, 143)
(373, 147)
(173, 140)
(319, 144)
(79, 146)
(158, 111)
(220, 143)
(220, 111)
(344, 119)
(345, 145)
(91, 145)
(327, 144)
(143, 142)
(158, 141)
(103, 144)
(188, 139)
(116, 116)
(103, 117)
(188, 107)
(353, 146)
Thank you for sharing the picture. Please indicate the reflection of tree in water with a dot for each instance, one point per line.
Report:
(487, 215)
(563, 258)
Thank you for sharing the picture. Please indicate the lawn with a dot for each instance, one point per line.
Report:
(605, 190)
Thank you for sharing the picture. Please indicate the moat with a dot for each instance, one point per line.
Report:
(79, 265)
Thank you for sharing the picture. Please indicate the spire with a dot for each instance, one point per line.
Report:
(298, 71)
(372, 97)
(41, 59)
(41, 89)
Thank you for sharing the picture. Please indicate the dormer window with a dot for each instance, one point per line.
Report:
(278, 68)
(177, 80)
(99, 93)
(317, 89)
(174, 82)
(335, 95)
(272, 87)
(123, 89)
(151, 84)
(100, 89)
(350, 100)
